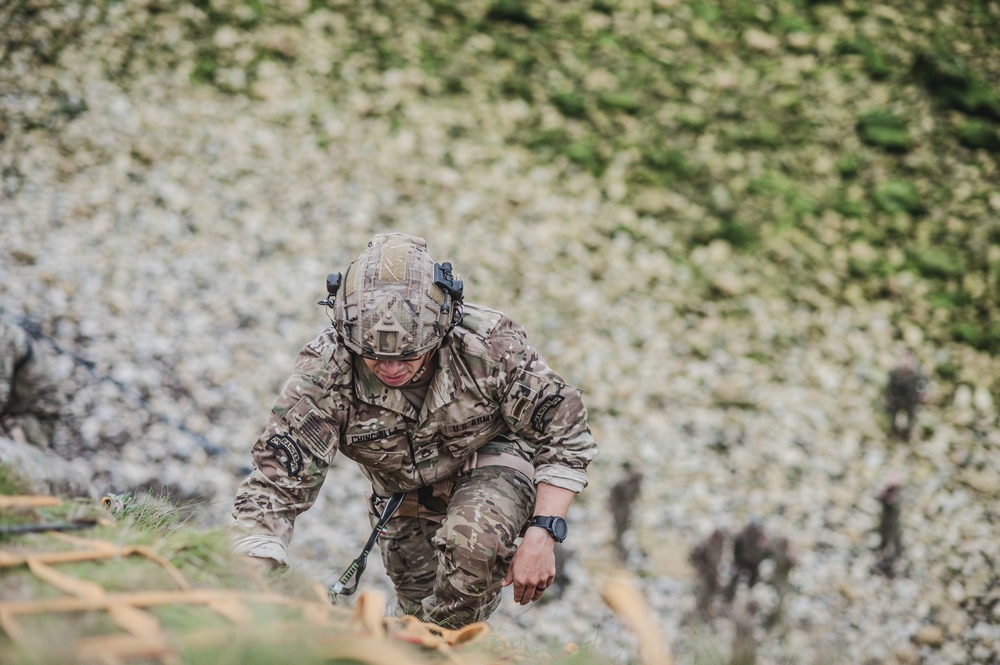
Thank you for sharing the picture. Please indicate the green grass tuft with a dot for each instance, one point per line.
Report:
(884, 130)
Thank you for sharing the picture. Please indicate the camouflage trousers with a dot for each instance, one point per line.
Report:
(448, 571)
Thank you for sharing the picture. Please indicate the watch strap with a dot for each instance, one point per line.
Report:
(548, 522)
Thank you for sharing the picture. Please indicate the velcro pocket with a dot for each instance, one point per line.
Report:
(532, 401)
(375, 458)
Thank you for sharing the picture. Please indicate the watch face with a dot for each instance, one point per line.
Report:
(559, 529)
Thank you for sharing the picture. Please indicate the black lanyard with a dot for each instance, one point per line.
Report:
(358, 565)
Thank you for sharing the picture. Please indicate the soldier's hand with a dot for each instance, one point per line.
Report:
(533, 567)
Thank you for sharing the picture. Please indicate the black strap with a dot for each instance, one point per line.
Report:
(19, 529)
(357, 566)
(26, 358)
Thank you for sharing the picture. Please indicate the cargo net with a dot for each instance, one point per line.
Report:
(127, 626)
(131, 631)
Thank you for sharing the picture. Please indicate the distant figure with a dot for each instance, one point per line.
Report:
(904, 394)
(750, 549)
(31, 402)
(706, 558)
(783, 556)
(890, 546)
(621, 500)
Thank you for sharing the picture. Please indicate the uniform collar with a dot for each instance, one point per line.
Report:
(448, 382)
(370, 390)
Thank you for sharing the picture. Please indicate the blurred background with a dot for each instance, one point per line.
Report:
(726, 221)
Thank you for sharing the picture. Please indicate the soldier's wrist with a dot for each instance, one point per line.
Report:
(553, 525)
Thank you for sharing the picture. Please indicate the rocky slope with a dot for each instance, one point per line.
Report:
(173, 199)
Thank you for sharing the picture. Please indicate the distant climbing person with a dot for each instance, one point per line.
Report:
(446, 406)
(706, 558)
(904, 393)
(750, 549)
(31, 401)
(621, 503)
(890, 530)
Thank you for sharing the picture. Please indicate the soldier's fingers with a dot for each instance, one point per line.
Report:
(529, 593)
(509, 577)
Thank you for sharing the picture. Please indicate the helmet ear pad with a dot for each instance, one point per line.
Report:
(394, 299)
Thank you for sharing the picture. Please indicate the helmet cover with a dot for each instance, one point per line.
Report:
(390, 305)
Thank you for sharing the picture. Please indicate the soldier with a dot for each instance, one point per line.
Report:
(621, 502)
(31, 402)
(890, 546)
(904, 393)
(750, 549)
(445, 401)
(706, 557)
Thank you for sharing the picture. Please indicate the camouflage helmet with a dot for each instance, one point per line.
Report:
(394, 301)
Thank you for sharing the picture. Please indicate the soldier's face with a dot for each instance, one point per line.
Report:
(395, 373)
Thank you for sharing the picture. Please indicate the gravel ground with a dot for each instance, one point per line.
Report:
(178, 238)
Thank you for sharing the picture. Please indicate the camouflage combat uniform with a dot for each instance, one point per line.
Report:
(30, 399)
(491, 393)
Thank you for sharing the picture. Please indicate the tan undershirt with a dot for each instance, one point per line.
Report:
(416, 390)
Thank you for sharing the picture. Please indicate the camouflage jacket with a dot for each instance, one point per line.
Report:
(490, 383)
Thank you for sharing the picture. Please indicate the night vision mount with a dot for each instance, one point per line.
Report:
(333, 281)
(447, 282)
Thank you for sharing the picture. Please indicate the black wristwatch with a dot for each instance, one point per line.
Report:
(556, 526)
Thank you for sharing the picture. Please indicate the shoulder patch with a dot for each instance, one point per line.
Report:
(288, 453)
(525, 395)
(540, 417)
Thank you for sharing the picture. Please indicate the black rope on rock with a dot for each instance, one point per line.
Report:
(22, 529)
(35, 331)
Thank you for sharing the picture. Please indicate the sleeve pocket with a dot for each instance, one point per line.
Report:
(315, 431)
(531, 401)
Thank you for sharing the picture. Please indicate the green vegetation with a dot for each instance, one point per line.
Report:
(885, 130)
(10, 482)
(978, 134)
(858, 120)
